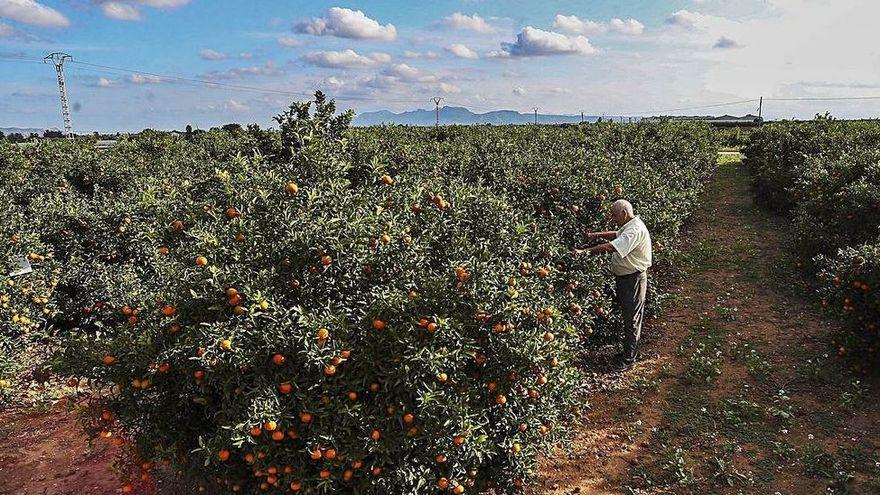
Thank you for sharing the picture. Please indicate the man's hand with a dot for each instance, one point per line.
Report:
(592, 235)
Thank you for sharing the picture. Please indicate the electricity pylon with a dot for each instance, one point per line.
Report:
(58, 58)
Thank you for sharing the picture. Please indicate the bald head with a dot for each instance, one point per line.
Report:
(622, 211)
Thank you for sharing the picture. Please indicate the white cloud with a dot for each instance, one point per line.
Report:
(461, 51)
(121, 11)
(519, 91)
(32, 12)
(574, 24)
(290, 41)
(726, 43)
(468, 22)
(144, 79)
(267, 69)
(348, 59)
(129, 10)
(534, 42)
(235, 105)
(382, 58)
(347, 23)
(6, 31)
(630, 27)
(103, 82)
(449, 88)
(209, 54)
(687, 19)
(407, 73)
(163, 4)
(420, 55)
(334, 82)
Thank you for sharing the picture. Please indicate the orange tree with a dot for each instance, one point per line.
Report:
(321, 308)
(827, 173)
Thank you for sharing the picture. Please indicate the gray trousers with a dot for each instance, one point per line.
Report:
(631, 290)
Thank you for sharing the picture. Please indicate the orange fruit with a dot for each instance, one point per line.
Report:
(223, 455)
(442, 483)
(278, 436)
(305, 417)
(108, 360)
(316, 454)
(375, 435)
(279, 359)
(378, 324)
(201, 261)
(330, 370)
(231, 213)
(285, 388)
(387, 180)
(408, 418)
(330, 454)
(326, 260)
(256, 431)
(291, 188)
(168, 310)
(323, 334)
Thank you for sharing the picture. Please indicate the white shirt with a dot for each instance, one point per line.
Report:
(632, 248)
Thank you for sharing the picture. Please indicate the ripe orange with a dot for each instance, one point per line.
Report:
(231, 213)
(324, 474)
(223, 455)
(163, 250)
(177, 224)
(516, 448)
(201, 261)
(305, 417)
(330, 370)
(442, 378)
(431, 327)
(323, 334)
(352, 396)
(256, 431)
(442, 483)
(278, 436)
(408, 418)
(168, 310)
(291, 188)
(279, 359)
(226, 344)
(285, 388)
(375, 435)
(385, 238)
(108, 360)
(440, 458)
(387, 180)
(326, 260)
(316, 454)
(458, 440)
(378, 324)
(330, 454)
(270, 425)
(295, 486)
(500, 400)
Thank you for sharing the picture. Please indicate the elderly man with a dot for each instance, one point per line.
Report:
(631, 256)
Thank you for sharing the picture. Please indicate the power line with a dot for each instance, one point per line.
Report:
(238, 87)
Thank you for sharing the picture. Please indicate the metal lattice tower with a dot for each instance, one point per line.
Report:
(437, 101)
(58, 59)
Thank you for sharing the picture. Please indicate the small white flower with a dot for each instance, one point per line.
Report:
(810, 436)
(785, 432)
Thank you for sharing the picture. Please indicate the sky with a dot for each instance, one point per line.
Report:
(151, 63)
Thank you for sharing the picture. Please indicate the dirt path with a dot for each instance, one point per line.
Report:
(741, 390)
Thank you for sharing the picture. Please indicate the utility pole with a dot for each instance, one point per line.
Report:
(535, 109)
(582, 116)
(58, 58)
(760, 108)
(437, 101)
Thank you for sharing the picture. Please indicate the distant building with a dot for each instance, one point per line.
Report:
(722, 121)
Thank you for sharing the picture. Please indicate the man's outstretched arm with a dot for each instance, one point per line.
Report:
(608, 235)
(601, 248)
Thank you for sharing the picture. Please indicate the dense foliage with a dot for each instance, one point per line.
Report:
(380, 310)
(826, 174)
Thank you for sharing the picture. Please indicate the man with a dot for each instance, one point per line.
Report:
(631, 256)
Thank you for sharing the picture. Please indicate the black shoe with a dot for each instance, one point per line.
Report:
(622, 363)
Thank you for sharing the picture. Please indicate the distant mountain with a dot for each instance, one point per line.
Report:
(461, 115)
(25, 131)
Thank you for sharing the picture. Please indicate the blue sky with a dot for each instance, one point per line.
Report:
(598, 56)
